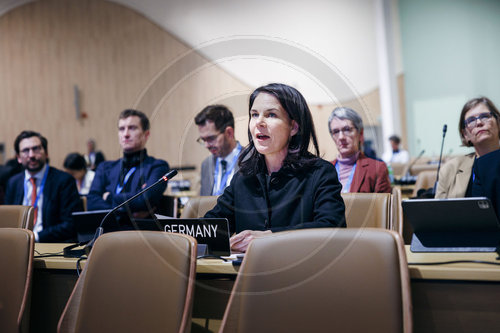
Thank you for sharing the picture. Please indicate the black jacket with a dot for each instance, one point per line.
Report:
(107, 178)
(60, 199)
(309, 198)
(487, 181)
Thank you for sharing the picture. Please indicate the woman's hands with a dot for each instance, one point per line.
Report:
(240, 242)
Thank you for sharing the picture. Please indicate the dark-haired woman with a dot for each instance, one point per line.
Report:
(75, 165)
(280, 184)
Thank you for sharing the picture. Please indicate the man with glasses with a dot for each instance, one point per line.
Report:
(51, 192)
(117, 181)
(216, 129)
(356, 172)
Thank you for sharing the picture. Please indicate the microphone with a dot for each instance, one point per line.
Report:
(407, 174)
(445, 128)
(99, 231)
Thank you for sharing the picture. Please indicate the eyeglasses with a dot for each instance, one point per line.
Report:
(35, 150)
(346, 130)
(210, 139)
(471, 122)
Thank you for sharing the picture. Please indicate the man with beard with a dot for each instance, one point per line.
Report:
(216, 129)
(50, 191)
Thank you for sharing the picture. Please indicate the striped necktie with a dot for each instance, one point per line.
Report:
(33, 197)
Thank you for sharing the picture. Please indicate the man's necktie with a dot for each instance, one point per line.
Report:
(223, 164)
(33, 197)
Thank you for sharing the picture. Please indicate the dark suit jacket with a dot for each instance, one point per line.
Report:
(106, 179)
(487, 178)
(60, 199)
(371, 176)
(294, 199)
(207, 174)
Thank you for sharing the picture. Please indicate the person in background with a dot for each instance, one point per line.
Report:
(93, 157)
(280, 184)
(75, 165)
(216, 128)
(368, 149)
(8, 170)
(117, 181)
(50, 191)
(396, 154)
(479, 127)
(357, 173)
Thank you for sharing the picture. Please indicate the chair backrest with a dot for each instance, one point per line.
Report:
(416, 169)
(362, 209)
(16, 260)
(396, 210)
(134, 282)
(197, 206)
(16, 216)
(399, 169)
(367, 210)
(425, 180)
(322, 280)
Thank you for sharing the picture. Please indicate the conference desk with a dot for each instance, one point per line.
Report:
(459, 297)
(55, 276)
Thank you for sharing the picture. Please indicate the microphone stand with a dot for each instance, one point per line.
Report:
(100, 229)
(445, 127)
(406, 178)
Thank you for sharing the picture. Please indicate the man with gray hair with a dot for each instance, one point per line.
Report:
(357, 173)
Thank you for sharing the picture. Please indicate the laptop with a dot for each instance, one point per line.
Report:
(87, 222)
(452, 225)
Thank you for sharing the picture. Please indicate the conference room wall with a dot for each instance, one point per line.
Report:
(450, 54)
(114, 55)
(118, 59)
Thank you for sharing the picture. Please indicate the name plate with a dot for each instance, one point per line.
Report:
(212, 232)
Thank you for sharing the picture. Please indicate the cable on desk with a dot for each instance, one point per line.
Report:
(78, 269)
(210, 256)
(453, 262)
(48, 254)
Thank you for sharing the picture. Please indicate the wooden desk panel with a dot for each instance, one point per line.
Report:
(461, 297)
(55, 277)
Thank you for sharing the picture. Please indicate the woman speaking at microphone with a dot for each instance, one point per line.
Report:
(280, 184)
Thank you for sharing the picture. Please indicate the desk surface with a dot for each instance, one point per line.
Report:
(455, 271)
(458, 271)
(204, 266)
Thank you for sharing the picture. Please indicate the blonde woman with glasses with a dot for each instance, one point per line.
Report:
(479, 128)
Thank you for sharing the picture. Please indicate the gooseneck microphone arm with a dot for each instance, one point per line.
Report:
(445, 127)
(408, 171)
(100, 229)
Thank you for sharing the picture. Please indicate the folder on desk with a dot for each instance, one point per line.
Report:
(452, 225)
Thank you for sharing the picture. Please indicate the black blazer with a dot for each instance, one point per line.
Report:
(60, 199)
(307, 198)
(487, 178)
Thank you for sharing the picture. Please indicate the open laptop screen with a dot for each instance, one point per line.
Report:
(452, 225)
